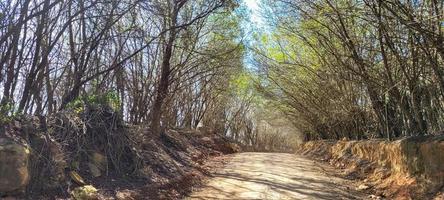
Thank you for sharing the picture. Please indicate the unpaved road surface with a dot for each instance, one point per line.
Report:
(274, 176)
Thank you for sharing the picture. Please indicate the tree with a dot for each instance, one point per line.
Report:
(354, 68)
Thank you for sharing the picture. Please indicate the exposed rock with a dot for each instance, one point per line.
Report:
(99, 160)
(87, 192)
(363, 187)
(98, 164)
(206, 141)
(125, 195)
(439, 196)
(94, 170)
(14, 170)
(374, 197)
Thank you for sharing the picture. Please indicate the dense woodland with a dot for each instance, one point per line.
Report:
(355, 69)
(161, 63)
(144, 55)
(327, 68)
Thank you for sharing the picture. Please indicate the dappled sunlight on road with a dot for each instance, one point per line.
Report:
(273, 176)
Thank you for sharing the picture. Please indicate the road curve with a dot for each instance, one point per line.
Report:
(274, 176)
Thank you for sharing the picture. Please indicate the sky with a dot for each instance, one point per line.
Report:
(254, 24)
(253, 6)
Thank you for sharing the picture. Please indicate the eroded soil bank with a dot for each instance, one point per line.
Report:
(410, 168)
(95, 155)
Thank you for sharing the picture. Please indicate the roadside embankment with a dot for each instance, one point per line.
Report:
(94, 154)
(409, 168)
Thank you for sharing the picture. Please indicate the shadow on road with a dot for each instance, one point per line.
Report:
(274, 176)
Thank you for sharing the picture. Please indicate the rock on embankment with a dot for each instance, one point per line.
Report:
(407, 168)
(14, 166)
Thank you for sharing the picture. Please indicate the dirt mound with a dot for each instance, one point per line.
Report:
(95, 147)
(407, 168)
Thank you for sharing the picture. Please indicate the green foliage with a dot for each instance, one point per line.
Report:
(241, 83)
(244, 88)
(5, 110)
(108, 98)
(8, 113)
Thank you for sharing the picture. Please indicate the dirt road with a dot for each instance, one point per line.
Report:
(274, 176)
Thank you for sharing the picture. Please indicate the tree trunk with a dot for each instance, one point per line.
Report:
(162, 89)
